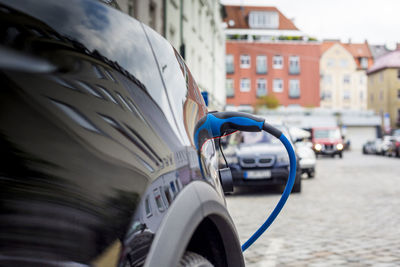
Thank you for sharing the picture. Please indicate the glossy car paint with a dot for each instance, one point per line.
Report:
(97, 118)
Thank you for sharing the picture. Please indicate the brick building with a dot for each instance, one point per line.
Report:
(266, 54)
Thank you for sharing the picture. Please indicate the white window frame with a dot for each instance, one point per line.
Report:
(294, 84)
(230, 82)
(245, 61)
(259, 82)
(364, 62)
(346, 94)
(265, 60)
(294, 59)
(230, 59)
(277, 62)
(345, 80)
(264, 19)
(244, 81)
(275, 85)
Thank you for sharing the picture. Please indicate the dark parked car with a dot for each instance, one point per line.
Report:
(98, 162)
(259, 159)
(369, 148)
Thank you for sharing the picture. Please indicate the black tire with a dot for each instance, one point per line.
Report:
(296, 188)
(191, 259)
(311, 174)
(341, 155)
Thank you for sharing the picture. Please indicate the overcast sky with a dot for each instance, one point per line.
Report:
(378, 21)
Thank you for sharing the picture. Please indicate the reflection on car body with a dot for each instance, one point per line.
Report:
(95, 150)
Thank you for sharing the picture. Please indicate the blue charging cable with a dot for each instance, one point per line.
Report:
(218, 124)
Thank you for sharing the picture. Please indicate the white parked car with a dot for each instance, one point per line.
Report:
(307, 159)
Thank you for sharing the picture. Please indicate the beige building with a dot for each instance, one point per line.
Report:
(195, 29)
(384, 88)
(343, 75)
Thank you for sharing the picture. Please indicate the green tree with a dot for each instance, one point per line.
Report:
(269, 101)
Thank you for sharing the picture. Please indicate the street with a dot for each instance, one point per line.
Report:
(348, 215)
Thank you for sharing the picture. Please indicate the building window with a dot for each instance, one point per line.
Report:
(398, 93)
(294, 65)
(328, 79)
(261, 67)
(361, 95)
(346, 79)
(261, 87)
(244, 61)
(381, 76)
(326, 95)
(364, 62)
(330, 62)
(381, 95)
(230, 67)
(264, 19)
(278, 85)
(398, 74)
(294, 88)
(346, 94)
(277, 62)
(371, 97)
(230, 91)
(245, 85)
(343, 63)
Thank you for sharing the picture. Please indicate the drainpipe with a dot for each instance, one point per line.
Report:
(165, 18)
(182, 46)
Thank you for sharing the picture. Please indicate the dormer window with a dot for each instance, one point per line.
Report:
(264, 19)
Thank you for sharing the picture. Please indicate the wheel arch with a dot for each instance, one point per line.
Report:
(198, 210)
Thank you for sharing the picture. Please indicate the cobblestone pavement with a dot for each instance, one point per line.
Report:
(348, 215)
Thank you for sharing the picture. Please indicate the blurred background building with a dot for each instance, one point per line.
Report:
(343, 69)
(194, 28)
(384, 89)
(267, 56)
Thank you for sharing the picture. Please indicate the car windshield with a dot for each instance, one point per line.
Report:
(250, 138)
(327, 133)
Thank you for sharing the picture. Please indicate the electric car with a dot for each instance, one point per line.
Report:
(98, 161)
(259, 159)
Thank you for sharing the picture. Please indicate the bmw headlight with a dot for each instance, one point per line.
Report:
(282, 158)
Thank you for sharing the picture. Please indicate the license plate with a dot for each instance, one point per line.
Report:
(257, 174)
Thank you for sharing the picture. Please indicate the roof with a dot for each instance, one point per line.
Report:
(389, 60)
(240, 14)
(357, 50)
(378, 50)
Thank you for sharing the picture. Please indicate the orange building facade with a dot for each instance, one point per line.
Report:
(287, 69)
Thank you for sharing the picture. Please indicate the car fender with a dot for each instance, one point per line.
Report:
(197, 201)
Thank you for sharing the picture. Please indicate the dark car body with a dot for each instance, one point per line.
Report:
(98, 165)
(327, 141)
(261, 161)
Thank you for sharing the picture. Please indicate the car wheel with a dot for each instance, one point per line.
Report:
(191, 259)
(341, 155)
(311, 174)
